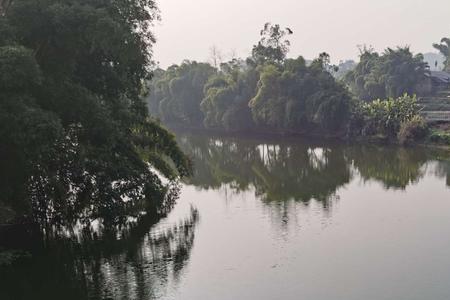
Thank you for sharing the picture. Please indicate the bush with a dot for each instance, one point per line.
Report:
(385, 118)
(440, 137)
(412, 130)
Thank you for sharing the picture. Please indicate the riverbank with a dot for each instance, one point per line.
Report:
(266, 133)
(438, 136)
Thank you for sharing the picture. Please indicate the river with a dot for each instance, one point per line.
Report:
(271, 218)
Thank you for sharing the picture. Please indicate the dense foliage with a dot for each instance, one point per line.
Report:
(393, 118)
(227, 94)
(270, 92)
(295, 96)
(387, 75)
(76, 139)
(176, 94)
(273, 45)
(266, 91)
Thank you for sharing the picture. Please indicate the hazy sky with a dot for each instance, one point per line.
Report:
(190, 27)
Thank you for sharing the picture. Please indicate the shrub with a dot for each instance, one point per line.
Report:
(384, 118)
(412, 130)
(440, 137)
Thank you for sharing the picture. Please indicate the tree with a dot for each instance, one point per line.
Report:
(294, 96)
(444, 48)
(356, 79)
(391, 74)
(401, 71)
(77, 141)
(176, 94)
(266, 91)
(273, 45)
(227, 94)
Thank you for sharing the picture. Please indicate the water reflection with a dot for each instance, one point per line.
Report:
(292, 170)
(133, 261)
(277, 172)
(443, 169)
(395, 168)
(287, 183)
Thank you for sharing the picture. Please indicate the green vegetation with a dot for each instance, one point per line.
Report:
(273, 46)
(440, 137)
(81, 140)
(77, 141)
(177, 93)
(267, 91)
(77, 138)
(227, 93)
(374, 99)
(389, 119)
(299, 97)
(389, 75)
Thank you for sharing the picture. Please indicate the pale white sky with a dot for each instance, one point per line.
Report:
(190, 27)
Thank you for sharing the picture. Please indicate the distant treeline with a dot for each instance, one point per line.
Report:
(270, 92)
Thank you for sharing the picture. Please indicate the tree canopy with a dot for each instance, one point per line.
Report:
(297, 96)
(390, 74)
(227, 95)
(265, 91)
(76, 137)
(273, 45)
(175, 94)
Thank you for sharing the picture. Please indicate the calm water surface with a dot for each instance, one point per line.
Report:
(272, 219)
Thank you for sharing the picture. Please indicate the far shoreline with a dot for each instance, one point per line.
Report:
(315, 137)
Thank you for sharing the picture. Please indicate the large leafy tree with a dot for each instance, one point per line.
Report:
(76, 139)
(295, 96)
(227, 95)
(176, 94)
(273, 45)
(391, 74)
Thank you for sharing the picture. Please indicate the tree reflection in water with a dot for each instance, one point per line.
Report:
(293, 170)
(443, 170)
(277, 172)
(395, 168)
(137, 261)
(130, 261)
